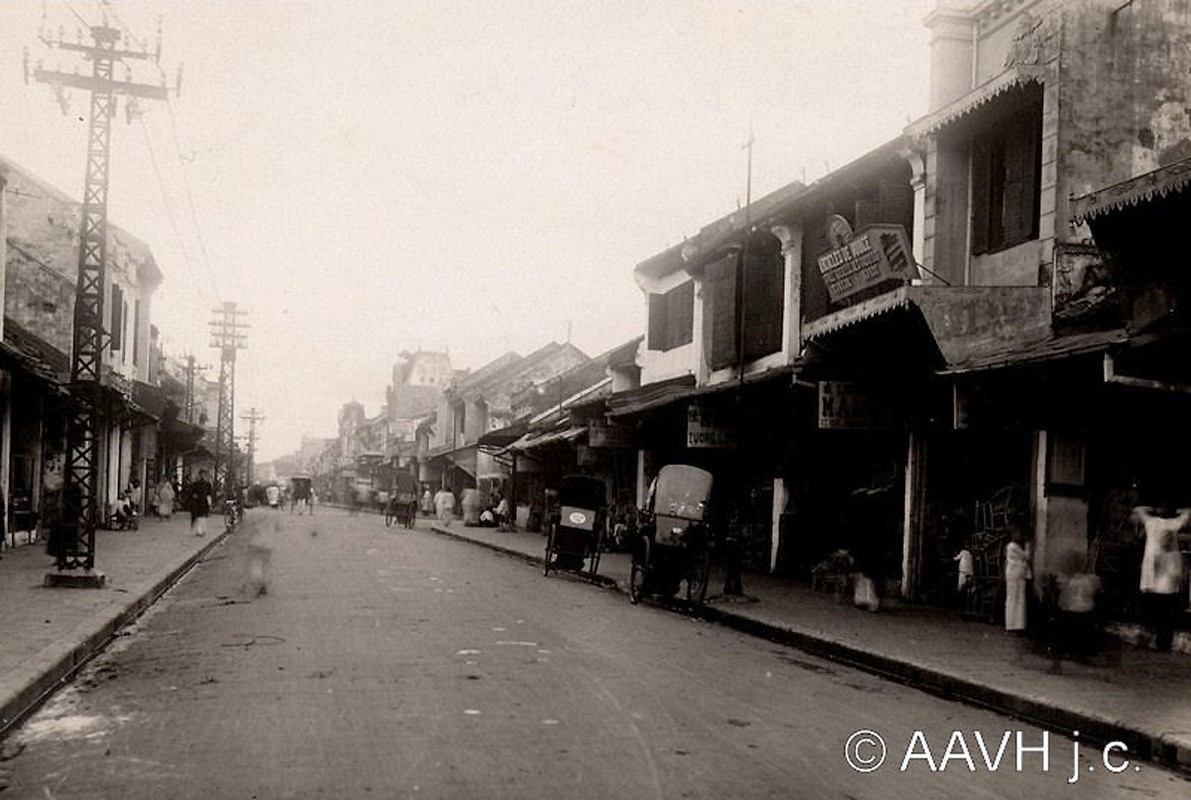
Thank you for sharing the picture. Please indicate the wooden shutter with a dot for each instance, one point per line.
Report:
(680, 315)
(1020, 216)
(897, 203)
(764, 285)
(719, 313)
(116, 328)
(657, 322)
(981, 164)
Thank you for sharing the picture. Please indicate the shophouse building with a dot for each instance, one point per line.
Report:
(41, 268)
(925, 346)
(480, 402)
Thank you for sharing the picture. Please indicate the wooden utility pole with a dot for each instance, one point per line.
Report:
(72, 541)
(253, 416)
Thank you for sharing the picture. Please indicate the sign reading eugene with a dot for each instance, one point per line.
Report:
(877, 254)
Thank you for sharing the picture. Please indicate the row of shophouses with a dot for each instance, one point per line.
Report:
(157, 425)
(982, 321)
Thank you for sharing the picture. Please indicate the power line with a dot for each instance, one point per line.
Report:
(198, 230)
(169, 210)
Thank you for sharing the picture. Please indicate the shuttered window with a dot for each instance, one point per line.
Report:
(764, 290)
(761, 290)
(116, 328)
(672, 317)
(719, 313)
(1006, 189)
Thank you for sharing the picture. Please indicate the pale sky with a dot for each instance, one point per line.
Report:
(365, 176)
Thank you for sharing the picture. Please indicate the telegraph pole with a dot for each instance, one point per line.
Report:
(192, 369)
(226, 334)
(253, 416)
(72, 540)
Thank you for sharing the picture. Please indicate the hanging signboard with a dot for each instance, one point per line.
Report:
(704, 429)
(877, 254)
(844, 405)
(601, 434)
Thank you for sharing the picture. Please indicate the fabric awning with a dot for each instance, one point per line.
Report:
(1143, 188)
(649, 396)
(464, 458)
(536, 439)
(502, 438)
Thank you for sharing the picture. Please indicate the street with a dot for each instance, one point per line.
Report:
(329, 656)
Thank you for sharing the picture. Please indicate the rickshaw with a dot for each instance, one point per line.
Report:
(301, 492)
(402, 508)
(672, 551)
(577, 529)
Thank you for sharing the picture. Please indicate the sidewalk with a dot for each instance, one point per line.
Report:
(46, 634)
(1143, 701)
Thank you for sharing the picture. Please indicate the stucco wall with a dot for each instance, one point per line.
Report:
(1125, 91)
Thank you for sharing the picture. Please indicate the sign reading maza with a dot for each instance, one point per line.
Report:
(703, 429)
(846, 405)
(877, 254)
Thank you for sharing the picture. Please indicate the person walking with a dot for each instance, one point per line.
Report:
(200, 503)
(1161, 569)
(1017, 576)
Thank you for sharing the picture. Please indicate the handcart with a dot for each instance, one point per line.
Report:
(576, 534)
(301, 494)
(402, 508)
(672, 551)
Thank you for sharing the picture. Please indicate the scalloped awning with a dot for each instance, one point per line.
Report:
(966, 322)
(1144, 188)
(990, 90)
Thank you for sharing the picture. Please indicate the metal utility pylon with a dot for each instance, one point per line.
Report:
(73, 539)
(226, 334)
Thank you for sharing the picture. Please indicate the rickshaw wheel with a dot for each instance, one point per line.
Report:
(698, 576)
(594, 555)
(640, 571)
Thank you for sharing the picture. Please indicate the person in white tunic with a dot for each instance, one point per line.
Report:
(1017, 574)
(1162, 570)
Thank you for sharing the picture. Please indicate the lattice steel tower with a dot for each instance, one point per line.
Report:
(226, 334)
(73, 539)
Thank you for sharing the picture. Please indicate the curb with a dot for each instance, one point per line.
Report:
(57, 664)
(598, 580)
(1152, 747)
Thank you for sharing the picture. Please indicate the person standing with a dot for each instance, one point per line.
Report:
(1017, 576)
(199, 500)
(1161, 570)
(165, 499)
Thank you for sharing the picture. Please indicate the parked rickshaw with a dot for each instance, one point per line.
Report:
(402, 508)
(577, 531)
(301, 494)
(672, 552)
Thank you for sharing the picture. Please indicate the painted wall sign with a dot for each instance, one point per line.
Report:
(703, 429)
(877, 254)
(844, 405)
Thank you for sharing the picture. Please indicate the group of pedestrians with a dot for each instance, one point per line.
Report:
(1069, 595)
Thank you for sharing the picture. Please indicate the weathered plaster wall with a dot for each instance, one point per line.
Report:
(1125, 92)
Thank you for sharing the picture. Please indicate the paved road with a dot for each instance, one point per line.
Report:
(383, 663)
